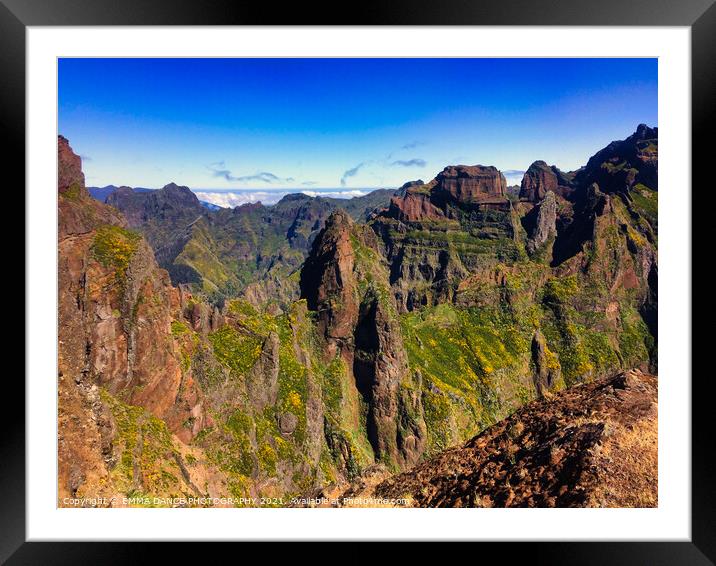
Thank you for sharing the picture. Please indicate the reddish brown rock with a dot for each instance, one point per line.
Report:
(78, 213)
(115, 321)
(69, 168)
(328, 283)
(540, 179)
(473, 184)
(414, 206)
(361, 325)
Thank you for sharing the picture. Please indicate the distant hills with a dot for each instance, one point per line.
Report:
(198, 242)
(102, 193)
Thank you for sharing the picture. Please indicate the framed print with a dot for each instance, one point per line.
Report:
(392, 279)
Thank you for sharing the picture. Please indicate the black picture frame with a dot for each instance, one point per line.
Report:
(699, 15)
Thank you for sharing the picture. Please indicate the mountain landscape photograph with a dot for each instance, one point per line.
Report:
(357, 282)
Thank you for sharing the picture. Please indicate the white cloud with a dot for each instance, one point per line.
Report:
(232, 199)
(348, 193)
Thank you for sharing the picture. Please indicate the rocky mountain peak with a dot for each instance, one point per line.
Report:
(405, 186)
(472, 184)
(293, 197)
(545, 223)
(248, 207)
(174, 187)
(539, 179)
(69, 176)
(644, 132)
(180, 194)
(327, 281)
(467, 186)
(625, 163)
(340, 220)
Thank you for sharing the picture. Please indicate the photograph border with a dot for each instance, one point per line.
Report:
(700, 15)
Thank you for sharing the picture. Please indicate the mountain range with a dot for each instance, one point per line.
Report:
(285, 351)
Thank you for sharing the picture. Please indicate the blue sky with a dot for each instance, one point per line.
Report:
(353, 123)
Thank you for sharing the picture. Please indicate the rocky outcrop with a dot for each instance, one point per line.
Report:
(77, 212)
(547, 373)
(69, 168)
(540, 179)
(592, 445)
(543, 227)
(380, 366)
(624, 164)
(466, 186)
(472, 184)
(414, 205)
(262, 379)
(405, 186)
(358, 322)
(329, 285)
(116, 308)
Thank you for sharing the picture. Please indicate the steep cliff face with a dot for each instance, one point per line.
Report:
(329, 285)
(434, 235)
(624, 164)
(474, 184)
(346, 282)
(541, 178)
(541, 226)
(115, 312)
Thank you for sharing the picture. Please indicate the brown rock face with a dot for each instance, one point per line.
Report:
(115, 318)
(262, 379)
(69, 168)
(329, 286)
(592, 445)
(540, 179)
(545, 223)
(537, 181)
(547, 368)
(472, 184)
(414, 206)
(379, 367)
(78, 212)
(360, 324)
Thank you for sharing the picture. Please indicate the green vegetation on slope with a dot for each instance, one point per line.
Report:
(147, 462)
(114, 247)
(474, 368)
